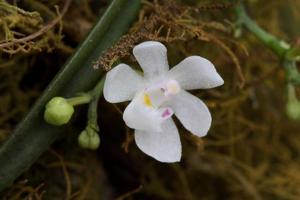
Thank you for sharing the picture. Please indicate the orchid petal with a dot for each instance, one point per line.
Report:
(152, 57)
(138, 115)
(196, 72)
(121, 84)
(164, 146)
(191, 112)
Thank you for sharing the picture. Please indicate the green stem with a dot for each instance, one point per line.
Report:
(277, 46)
(291, 71)
(93, 107)
(83, 99)
(291, 93)
(89, 137)
(33, 135)
(98, 89)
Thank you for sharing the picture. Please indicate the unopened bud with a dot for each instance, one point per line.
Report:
(58, 111)
(89, 139)
(293, 109)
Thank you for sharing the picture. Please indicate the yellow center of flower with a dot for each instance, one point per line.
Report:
(147, 100)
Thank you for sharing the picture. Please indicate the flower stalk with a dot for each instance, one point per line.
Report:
(58, 111)
(82, 99)
(93, 107)
(278, 46)
(288, 56)
(281, 48)
(89, 138)
(293, 104)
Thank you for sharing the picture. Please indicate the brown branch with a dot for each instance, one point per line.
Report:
(41, 31)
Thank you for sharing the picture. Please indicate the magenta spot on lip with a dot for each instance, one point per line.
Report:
(166, 113)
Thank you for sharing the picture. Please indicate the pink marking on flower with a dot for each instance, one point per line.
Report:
(167, 113)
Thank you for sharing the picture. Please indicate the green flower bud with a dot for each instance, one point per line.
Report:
(293, 109)
(89, 139)
(58, 111)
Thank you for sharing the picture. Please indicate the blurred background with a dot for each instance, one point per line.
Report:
(251, 151)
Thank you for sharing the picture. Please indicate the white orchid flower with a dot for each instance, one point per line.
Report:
(158, 95)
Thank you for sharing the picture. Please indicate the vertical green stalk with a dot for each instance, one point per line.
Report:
(33, 136)
(95, 93)
(89, 138)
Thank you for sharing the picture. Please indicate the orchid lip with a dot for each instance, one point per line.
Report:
(167, 113)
